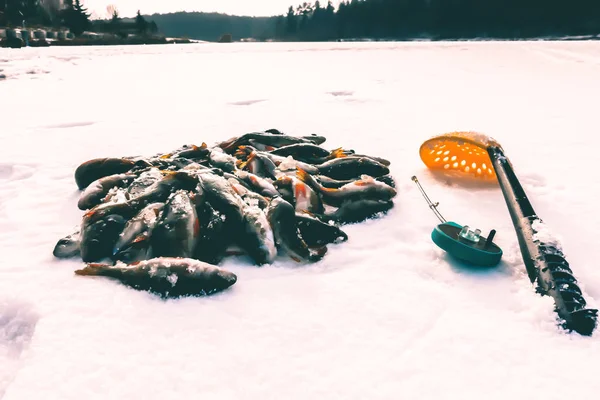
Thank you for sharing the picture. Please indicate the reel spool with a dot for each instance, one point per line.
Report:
(462, 242)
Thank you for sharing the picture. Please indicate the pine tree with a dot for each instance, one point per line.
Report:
(76, 17)
(141, 23)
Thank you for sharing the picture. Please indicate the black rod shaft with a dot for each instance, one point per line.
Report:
(545, 262)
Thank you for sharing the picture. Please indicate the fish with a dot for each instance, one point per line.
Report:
(68, 247)
(313, 138)
(306, 152)
(134, 241)
(318, 233)
(98, 238)
(256, 183)
(222, 160)
(223, 197)
(166, 277)
(328, 182)
(365, 188)
(257, 163)
(269, 139)
(271, 165)
(282, 218)
(359, 210)
(248, 196)
(97, 168)
(380, 160)
(177, 229)
(350, 168)
(97, 190)
(193, 151)
(305, 198)
(256, 236)
(157, 192)
(214, 236)
(144, 181)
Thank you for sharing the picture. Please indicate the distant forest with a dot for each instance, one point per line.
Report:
(355, 19)
(397, 19)
(211, 26)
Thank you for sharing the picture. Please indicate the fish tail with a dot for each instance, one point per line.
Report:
(91, 269)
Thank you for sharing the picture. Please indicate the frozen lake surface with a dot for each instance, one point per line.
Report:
(385, 315)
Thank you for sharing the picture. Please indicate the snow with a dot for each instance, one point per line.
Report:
(384, 315)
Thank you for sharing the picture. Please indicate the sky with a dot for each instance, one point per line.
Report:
(128, 8)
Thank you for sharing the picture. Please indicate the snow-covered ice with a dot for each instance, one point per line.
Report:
(386, 315)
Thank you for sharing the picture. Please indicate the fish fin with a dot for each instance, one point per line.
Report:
(140, 238)
(165, 156)
(242, 151)
(240, 154)
(298, 260)
(317, 253)
(204, 145)
(310, 181)
(196, 227)
(270, 148)
(248, 160)
(338, 153)
(240, 190)
(303, 175)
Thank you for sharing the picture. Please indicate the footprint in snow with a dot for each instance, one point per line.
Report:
(70, 125)
(16, 172)
(247, 102)
(533, 180)
(341, 93)
(17, 326)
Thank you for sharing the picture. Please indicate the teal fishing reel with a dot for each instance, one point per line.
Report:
(460, 241)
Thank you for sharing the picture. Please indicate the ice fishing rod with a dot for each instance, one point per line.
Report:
(480, 156)
(460, 241)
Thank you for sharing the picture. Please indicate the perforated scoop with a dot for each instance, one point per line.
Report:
(464, 152)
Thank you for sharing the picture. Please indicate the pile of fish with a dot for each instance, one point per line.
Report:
(164, 223)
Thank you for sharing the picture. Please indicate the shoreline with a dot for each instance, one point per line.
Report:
(132, 41)
(16, 43)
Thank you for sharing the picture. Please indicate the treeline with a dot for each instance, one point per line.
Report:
(34, 13)
(14, 12)
(211, 26)
(72, 15)
(439, 19)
